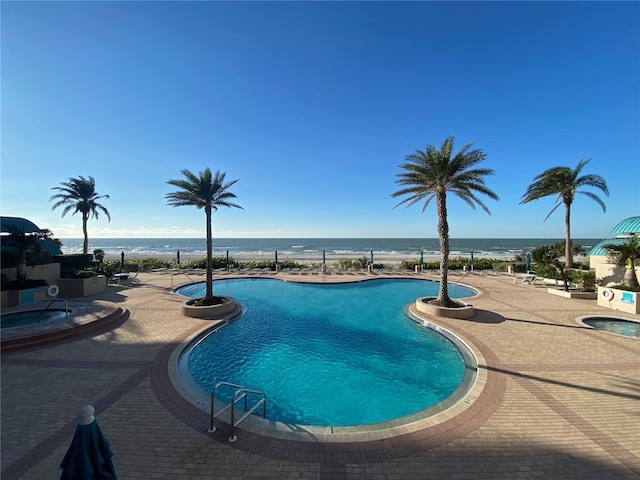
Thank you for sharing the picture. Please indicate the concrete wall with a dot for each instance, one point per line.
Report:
(620, 300)
(608, 273)
(49, 272)
(81, 287)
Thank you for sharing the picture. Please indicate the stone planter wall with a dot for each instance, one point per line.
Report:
(81, 287)
(430, 309)
(209, 312)
(621, 300)
(572, 294)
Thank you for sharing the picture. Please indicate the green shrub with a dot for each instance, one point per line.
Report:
(270, 264)
(623, 286)
(70, 264)
(289, 264)
(148, 264)
(483, 264)
(410, 264)
(584, 279)
(547, 271)
(23, 284)
(344, 263)
(216, 262)
(85, 273)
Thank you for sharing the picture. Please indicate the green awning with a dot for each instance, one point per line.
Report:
(599, 249)
(9, 224)
(22, 224)
(628, 225)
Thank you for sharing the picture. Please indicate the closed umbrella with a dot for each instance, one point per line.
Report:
(371, 257)
(178, 257)
(421, 257)
(323, 256)
(227, 259)
(89, 455)
(122, 262)
(276, 257)
(528, 262)
(471, 261)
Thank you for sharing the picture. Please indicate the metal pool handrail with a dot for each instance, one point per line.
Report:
(239, 394)
(66, 308)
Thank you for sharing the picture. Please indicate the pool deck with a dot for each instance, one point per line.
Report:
(559, 400)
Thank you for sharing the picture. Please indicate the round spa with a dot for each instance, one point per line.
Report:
(619, 326)
(31, 317)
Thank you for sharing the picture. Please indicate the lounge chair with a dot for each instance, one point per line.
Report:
(524, 278)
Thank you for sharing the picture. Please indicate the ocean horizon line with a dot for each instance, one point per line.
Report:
(309, 247)
(327, 238)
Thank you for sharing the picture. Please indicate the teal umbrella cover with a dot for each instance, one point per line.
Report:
(89, 455)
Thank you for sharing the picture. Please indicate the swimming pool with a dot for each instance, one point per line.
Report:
(329, 354)
(31, 317)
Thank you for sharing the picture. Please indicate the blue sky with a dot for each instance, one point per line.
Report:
(314, 106)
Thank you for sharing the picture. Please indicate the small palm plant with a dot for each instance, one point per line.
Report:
(431, 174)
(79, 194)
(208, 192)
(626, 255)
(99, 254)
(547, 256)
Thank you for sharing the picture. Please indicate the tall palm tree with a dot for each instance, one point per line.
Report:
(79, 194)
(564, 182)
(207, 192)
(433, 173)
(626, 255)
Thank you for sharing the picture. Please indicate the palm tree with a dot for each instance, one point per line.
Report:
(203, 192)
(432, 174)
(626, 255)
(79, 194)
(564, 182)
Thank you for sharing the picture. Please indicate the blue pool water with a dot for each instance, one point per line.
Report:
(32, 317)
(627, 328)
(330, 354)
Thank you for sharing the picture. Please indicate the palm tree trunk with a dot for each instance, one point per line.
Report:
(630, 277)
(85, 244)
(443, 236)
(21, 271)
(568, 254)
(209, 293)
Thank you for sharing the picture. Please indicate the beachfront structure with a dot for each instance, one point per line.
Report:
(609, 273)
(11, 249)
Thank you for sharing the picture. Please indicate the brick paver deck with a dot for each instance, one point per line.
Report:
(561, 401)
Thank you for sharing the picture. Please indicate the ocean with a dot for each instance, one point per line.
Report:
(312, 248)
